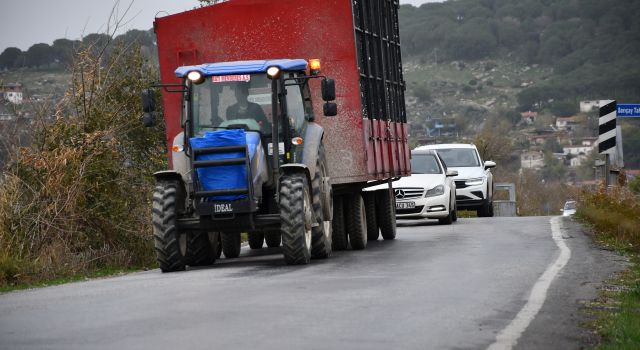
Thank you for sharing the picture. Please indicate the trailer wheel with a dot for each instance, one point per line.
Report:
(339, 240)
(321, 234)
(296, 216)
(256, 240)
(272, 238)
(386, 213)
(231, 244)
(356, 222)
(170, 245)
(373, 231)
(202, 248)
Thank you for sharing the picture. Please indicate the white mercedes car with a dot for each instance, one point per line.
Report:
(429, 193)
(474, 182)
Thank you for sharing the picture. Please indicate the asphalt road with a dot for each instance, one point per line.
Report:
(434, 287)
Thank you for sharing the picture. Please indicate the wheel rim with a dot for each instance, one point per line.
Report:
(182, 244)
(308, 218)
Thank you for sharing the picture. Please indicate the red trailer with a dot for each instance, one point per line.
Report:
(357, 43)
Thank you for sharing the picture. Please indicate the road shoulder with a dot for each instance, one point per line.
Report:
(559, 325)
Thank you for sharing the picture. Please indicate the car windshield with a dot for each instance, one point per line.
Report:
(459, 157)
(425, 164)
(232, 101)
(569, 205)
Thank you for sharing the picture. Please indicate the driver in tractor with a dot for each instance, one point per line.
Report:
(244, 109)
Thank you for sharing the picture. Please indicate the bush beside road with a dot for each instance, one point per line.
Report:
(616, 223)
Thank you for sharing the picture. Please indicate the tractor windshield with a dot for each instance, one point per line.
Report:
(232, 101)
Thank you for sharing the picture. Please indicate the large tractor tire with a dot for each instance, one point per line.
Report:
(321, 234)
(170, 245)
(256, 240)
(356, 222)
(272, 238)
(339, 240)
(231, 244)
(373, 231)
(296, 217)
(202, 248)
(386, 213)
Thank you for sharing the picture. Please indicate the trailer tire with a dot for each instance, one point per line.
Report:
(296, 216)
(339, 240)
(373, 231)
(256, 240)
(386, 213)
(272, 238)
(202, 248)
(356, 222)
(321, 234)
(231, 244)
(170, 245)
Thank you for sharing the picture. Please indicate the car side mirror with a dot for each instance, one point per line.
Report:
(148, 101)
(452, 173)
(489, 164)
(330, 109)
(328, 90)
(562, 210)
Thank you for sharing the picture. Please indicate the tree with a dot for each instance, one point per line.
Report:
(39, 55)
(564, 108)
(9, 57)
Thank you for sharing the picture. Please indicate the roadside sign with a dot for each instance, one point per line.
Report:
(628, 110)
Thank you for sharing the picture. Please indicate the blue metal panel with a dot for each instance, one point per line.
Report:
(242, 67)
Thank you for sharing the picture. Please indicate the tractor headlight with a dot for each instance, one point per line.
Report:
(195, 77)
(273, 72)
(436, 191)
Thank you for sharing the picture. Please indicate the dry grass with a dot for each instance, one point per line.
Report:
(78, 199)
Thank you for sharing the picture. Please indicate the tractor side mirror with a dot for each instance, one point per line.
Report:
(148, 101)
(148, 120)
(148, 107)
(328, 90)
(330, 109)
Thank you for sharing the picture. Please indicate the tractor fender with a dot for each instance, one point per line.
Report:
(171, 175)
(293, 168)
(312, 138)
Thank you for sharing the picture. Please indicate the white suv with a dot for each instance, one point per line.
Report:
(474, 183)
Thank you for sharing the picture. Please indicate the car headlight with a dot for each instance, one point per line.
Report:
(436, 191)
(474, 182)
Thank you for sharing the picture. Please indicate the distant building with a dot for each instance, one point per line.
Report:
(529, 117)
(566, 123)
(588, 106)
(11, 93)
(579, 153)
(532, 160)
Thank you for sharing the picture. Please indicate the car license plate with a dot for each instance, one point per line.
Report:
(405, 205)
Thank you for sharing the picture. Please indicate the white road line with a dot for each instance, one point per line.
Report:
(509, 336)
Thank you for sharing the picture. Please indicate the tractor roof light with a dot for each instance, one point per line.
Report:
(314, 66)
(195, 77)
(273, 72)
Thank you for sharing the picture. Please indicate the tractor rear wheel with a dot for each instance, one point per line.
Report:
(386, 213)
(202, 248)
(256, 240)
(296, 217)
(170, 245)
(339, 240)
(356, 222)
(231, 244)
(373, 232)
(321, 234)
(272, 238)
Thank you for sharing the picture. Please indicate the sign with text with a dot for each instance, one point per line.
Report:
(628, 110)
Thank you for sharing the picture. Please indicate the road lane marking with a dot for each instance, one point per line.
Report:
(508, 337)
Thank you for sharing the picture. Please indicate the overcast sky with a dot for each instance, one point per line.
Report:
(27, 22)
